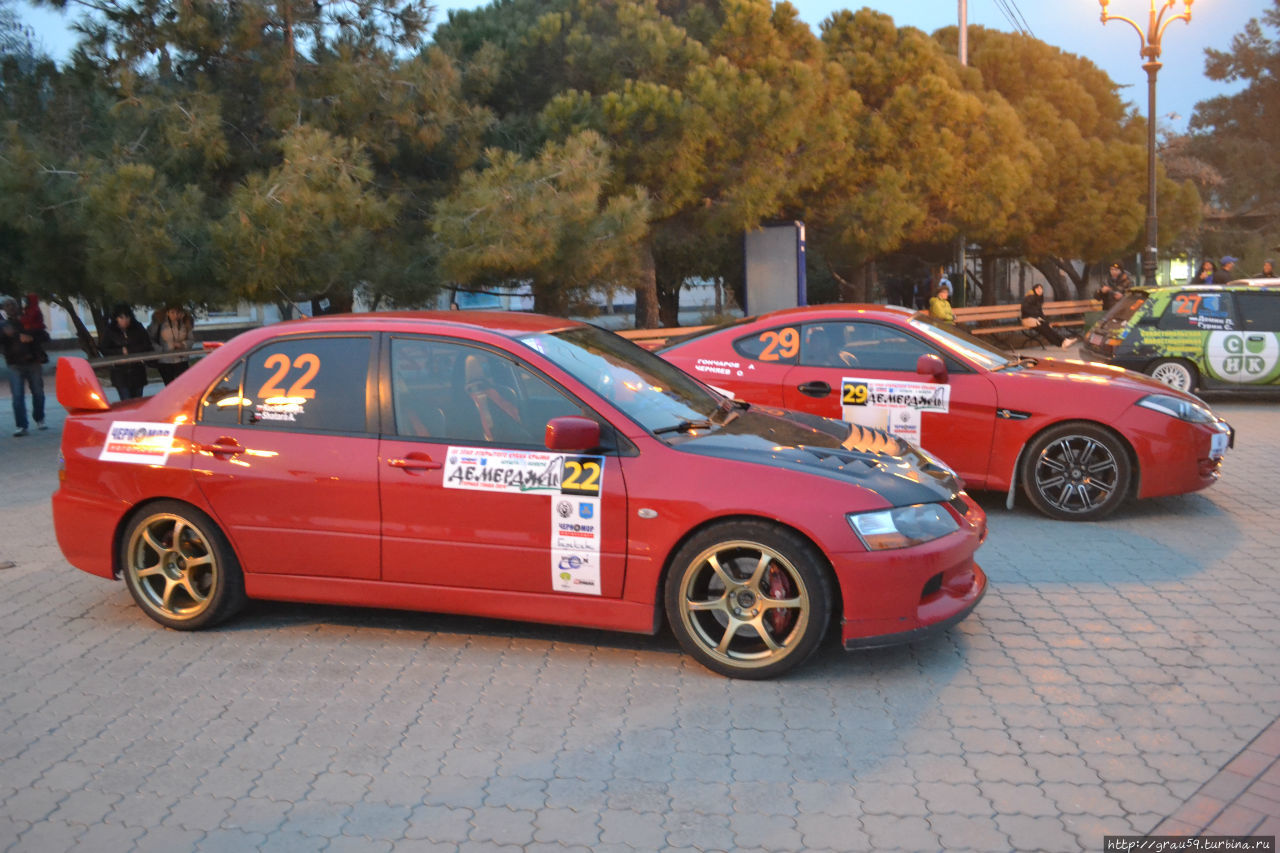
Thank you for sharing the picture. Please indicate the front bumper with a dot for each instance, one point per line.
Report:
(894, 597)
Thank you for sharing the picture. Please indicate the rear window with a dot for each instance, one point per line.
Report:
(1124, 310)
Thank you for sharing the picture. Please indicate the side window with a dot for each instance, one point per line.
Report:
(1260, 311)
(1198, 311)
(776, 346)
(221, 403)
(869, 346)
(456, 392)
(307, 384)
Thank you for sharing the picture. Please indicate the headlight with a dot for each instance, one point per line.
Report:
(902, 526)
(1176, 407)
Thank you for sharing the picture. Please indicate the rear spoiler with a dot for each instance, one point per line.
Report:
(79, 389)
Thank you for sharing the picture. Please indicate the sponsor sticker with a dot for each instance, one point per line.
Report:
(1244, 356)
(522, 471)
(575, 524)
(890, 405)
(573, 484)
(138, 443)
(575, 571)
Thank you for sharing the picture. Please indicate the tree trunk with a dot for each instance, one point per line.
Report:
(647, 289)
(1060, 286)
(990, 268)
(668, 287)
(854, 288)
(83, 336)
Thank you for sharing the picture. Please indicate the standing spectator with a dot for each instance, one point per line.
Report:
(1227, 272)
(1033, 318)
(125, 336)
(25, 355)
(1208, 269)
(1268, 269)
(175, 332)
(940, 305)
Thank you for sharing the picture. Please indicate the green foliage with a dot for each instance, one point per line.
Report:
(203, 151)
(308, 227)
(1238, 134)
(1086, 198)
(548, 222)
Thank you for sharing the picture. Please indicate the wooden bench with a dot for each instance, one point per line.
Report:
(1007, 319)
(651, 339)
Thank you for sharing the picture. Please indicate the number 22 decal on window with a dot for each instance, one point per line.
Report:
(580, 475)
(780, 344)
(307, 362)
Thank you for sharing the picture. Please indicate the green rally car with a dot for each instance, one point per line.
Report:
(1195, 336)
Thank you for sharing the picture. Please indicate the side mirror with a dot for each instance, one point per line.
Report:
(572, 434)
(932, 366)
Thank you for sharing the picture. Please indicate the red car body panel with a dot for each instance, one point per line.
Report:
(1171, 456)
(365, 519)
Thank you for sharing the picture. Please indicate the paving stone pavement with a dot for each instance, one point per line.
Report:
(1112, 672)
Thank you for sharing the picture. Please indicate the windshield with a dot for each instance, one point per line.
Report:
(958, 340)
(652, 392)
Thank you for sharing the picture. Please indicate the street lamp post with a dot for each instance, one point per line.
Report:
(1150, 51)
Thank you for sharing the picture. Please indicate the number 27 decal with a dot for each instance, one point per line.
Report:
(307, 362)
(580, 475)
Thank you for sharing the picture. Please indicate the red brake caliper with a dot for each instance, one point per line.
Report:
(780, 587)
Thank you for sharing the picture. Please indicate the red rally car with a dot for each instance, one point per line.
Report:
(1079, 438)
(510, 466)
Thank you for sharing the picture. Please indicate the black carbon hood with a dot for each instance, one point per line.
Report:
(896, 470)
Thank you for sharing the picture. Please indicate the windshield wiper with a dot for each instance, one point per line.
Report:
(684, 426)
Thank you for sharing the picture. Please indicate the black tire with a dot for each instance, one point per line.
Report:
(718, 589)
(179, 567)
(1176, 373)
(1077, 472)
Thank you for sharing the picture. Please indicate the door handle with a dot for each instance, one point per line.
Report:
(222, 447)
(814, 389)
(415, 462)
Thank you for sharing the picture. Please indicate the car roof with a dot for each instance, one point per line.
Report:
(824, 311)
(507, 323)
(1238, 284)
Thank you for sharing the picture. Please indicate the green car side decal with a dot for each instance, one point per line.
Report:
(1252, 357)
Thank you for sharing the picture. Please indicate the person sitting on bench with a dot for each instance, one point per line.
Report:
(1033, 319)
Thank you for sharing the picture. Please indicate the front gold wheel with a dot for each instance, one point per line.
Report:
(748, 600)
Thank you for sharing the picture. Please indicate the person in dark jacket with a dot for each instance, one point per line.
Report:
(1114, 286)
(126, 336)
(1268, 269)
(1033, 318)
(24, 354)
(1226, 271)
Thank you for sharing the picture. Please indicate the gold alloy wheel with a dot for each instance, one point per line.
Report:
(744, 604)
(172, 566)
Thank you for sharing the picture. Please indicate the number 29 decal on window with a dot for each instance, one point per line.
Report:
(780, 344)
(581, 475)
